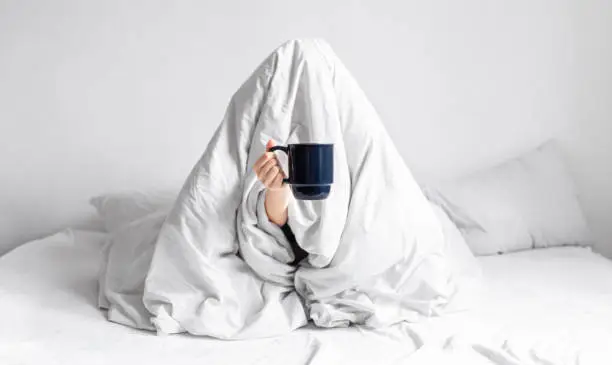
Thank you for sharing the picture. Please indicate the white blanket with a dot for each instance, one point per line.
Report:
(215, 266)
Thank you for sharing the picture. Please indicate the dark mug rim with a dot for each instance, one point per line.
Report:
(310, 144)
(313, 184)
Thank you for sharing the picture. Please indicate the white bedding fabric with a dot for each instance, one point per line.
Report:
(376, 250)
(119, 209)
(548, 306)
(48, 301)
(524, 203)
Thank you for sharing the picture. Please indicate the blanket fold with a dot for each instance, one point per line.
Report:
(215, 266)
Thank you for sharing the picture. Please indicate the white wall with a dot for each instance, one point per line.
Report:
(590, 139)
(99, 96)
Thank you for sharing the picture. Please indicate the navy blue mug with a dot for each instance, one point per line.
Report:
(311, 169)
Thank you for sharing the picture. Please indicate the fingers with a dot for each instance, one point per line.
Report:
(266, 156)
(271, 175)
(262, 160)
(277, 183)
(270, 144)
(268, 170)
(263, 171)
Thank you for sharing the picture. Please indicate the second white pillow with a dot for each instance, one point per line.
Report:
(525, 203)
(117, 210)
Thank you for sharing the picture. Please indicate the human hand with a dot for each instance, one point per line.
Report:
(268, 169)
(270, 173)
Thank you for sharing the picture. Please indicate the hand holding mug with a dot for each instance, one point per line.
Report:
(269, 170)
(270, 173)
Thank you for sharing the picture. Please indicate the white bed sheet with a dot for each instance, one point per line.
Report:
(49, 315)
(544, 306)
(549, 306)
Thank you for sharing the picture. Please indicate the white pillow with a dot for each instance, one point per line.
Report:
(120, 209)
(525, 203)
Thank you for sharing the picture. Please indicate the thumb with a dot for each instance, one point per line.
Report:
(270, 144)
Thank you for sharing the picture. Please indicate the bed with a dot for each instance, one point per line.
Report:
(544, 306)
(48, 295)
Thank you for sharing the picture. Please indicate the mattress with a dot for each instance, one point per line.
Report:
(548, 306)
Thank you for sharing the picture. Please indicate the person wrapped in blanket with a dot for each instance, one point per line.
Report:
(270, 173)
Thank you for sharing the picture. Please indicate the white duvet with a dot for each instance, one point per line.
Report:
(215, 266)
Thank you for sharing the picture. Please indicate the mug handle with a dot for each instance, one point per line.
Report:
(284, 149)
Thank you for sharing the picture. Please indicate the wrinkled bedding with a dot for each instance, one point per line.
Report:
(548, 306)
(48, 295)
(544, 307)
(213, 266)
